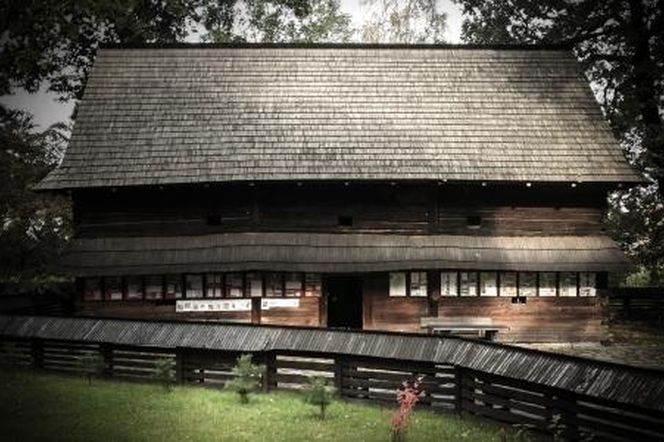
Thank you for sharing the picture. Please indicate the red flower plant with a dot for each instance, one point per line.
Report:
(407, 396)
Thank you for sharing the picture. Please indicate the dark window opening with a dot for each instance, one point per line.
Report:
(473, 222)
(345, 221)
(214, 219)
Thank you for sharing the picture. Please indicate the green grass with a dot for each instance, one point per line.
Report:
(38, 406)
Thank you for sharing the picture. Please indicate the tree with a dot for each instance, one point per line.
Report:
(246, 377)
(277, 21)
(34, 229)
(317, 393)
(620, 45)
(54, 42)
(404, 22)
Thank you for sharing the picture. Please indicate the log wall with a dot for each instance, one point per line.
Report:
(506, 210)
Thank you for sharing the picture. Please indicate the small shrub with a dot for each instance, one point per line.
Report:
(163, 372)
(91, 365)
(407, 396)
(523, 432)
(247, 377)
(317, 393)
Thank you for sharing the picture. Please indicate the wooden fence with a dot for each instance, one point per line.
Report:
(446, 387)
(637, 304)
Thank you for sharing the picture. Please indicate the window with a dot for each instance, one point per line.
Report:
(448, 284)
(488, 284)
(508, 284)
(92, 289)
(134, 287)
(255, 285)
(527, 284)
(113, 288)
(345, 221)
(173, 287)
(194, 286)
(567, 284)
(293, 284)
(214, 285)
(274, 285)
(587, 285)
(547, 284)
(154, 287)
(213, 219)
(474, 222)
(234, 285)
(418, 284)
(468, 283)
(313, 284)
(397, 284)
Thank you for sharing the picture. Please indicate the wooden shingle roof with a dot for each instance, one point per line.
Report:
(319, 252)
(154, 116)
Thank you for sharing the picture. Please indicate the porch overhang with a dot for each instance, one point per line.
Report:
(332, 253)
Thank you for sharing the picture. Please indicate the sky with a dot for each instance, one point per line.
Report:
(48, 110)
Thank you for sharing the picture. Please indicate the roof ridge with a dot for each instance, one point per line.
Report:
(301, 45)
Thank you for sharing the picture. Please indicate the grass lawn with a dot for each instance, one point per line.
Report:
(37, 406)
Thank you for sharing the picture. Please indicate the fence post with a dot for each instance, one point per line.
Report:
(458, 395)
(106, 351)
(37, 352)
(179, 365)
(270, 376)
(338, 374)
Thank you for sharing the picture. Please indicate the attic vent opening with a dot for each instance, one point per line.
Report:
(213, 219)
(474, 222)
(345, 221)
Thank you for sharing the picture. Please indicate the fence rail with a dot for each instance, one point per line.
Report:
(446, 387)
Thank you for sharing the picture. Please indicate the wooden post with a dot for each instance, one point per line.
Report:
(338, 374)
(256, 310)
(179, 365)
(458, 396)
(106, 352)
(37, 353)
(270, 376)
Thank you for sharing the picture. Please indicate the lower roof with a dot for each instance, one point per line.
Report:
(326, 253)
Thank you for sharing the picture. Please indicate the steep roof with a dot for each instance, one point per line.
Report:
(153, 116)
(320, 252)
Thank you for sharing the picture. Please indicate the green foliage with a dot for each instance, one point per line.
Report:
(120, 411)
(318, 393)
(55, 42)
(281, 21)
(246, 377)
(34, 228)
(164, 373)
(636, 220)
(404, 22)
(91, 365)
(621, 48)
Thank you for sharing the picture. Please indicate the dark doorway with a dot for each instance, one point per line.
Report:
(344, 301)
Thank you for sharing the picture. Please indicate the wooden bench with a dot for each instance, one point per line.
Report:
(474, 326)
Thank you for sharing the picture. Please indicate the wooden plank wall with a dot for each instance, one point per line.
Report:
(540, 319)
(307, 314)
(153, 310)
(317, 208)
(382, 312)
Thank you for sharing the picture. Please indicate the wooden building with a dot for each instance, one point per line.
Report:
(407, 188)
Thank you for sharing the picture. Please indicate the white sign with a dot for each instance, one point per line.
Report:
(212, 305)
(267, 303)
